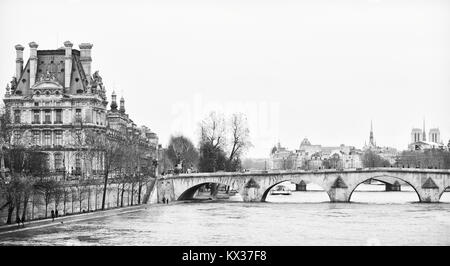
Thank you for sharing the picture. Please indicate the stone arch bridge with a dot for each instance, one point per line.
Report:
(429, 184)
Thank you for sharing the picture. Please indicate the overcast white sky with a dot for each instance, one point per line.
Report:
(316, 69)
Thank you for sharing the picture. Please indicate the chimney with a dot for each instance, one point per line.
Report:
(19, 60)
(85, 57)
(33, 62)
(122, 105)
(68, 64)
(113, 102)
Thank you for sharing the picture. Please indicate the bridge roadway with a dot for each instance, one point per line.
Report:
(429, 184)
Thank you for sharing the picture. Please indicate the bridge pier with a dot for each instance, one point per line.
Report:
(430, 192)
(252, 194)
(301, 186)
(338, 195)
(429, 195)
(393, 187)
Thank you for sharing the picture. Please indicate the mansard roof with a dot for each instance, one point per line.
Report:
(53, 61)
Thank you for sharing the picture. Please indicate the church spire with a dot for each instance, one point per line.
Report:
(371, 140)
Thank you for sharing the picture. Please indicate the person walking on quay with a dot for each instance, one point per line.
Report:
(18, 222)
(56, 213)
(23, 222)
(53, 215)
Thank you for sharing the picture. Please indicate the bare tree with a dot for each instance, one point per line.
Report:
(124, 183)
(82, 189)
(65, 197)
(239, 139)
(26, 164)
(74, 197)
(113, 157)
(35, 200)
(47, 188)
(58, 195)
(213, 130)
(214, 142)
(182, 151)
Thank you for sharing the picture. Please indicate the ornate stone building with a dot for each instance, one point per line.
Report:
(55, 98)
(419, 140)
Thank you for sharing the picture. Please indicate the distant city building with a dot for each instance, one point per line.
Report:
(313, 156)
(281, 158)
(310, 157)
(419, 140)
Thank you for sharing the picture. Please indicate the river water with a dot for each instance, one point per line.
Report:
(374, 217)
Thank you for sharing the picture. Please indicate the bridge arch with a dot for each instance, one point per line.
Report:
(189, 193)
(379, 177)
(443, 191)
(266, 192)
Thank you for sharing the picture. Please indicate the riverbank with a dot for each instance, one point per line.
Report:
(34, 224)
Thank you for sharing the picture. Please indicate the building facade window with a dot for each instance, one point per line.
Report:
(17, 136)
(78, 136)
(78, 164)
(47, 161)
(100, 162)
(58, 161)
(77, 115)
(58, 137)
(58, 116)
(36, 117)
(47, 138)
(47, 117)
(17, 116)
(37, 137)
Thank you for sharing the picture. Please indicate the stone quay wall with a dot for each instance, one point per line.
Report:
(80, 199)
